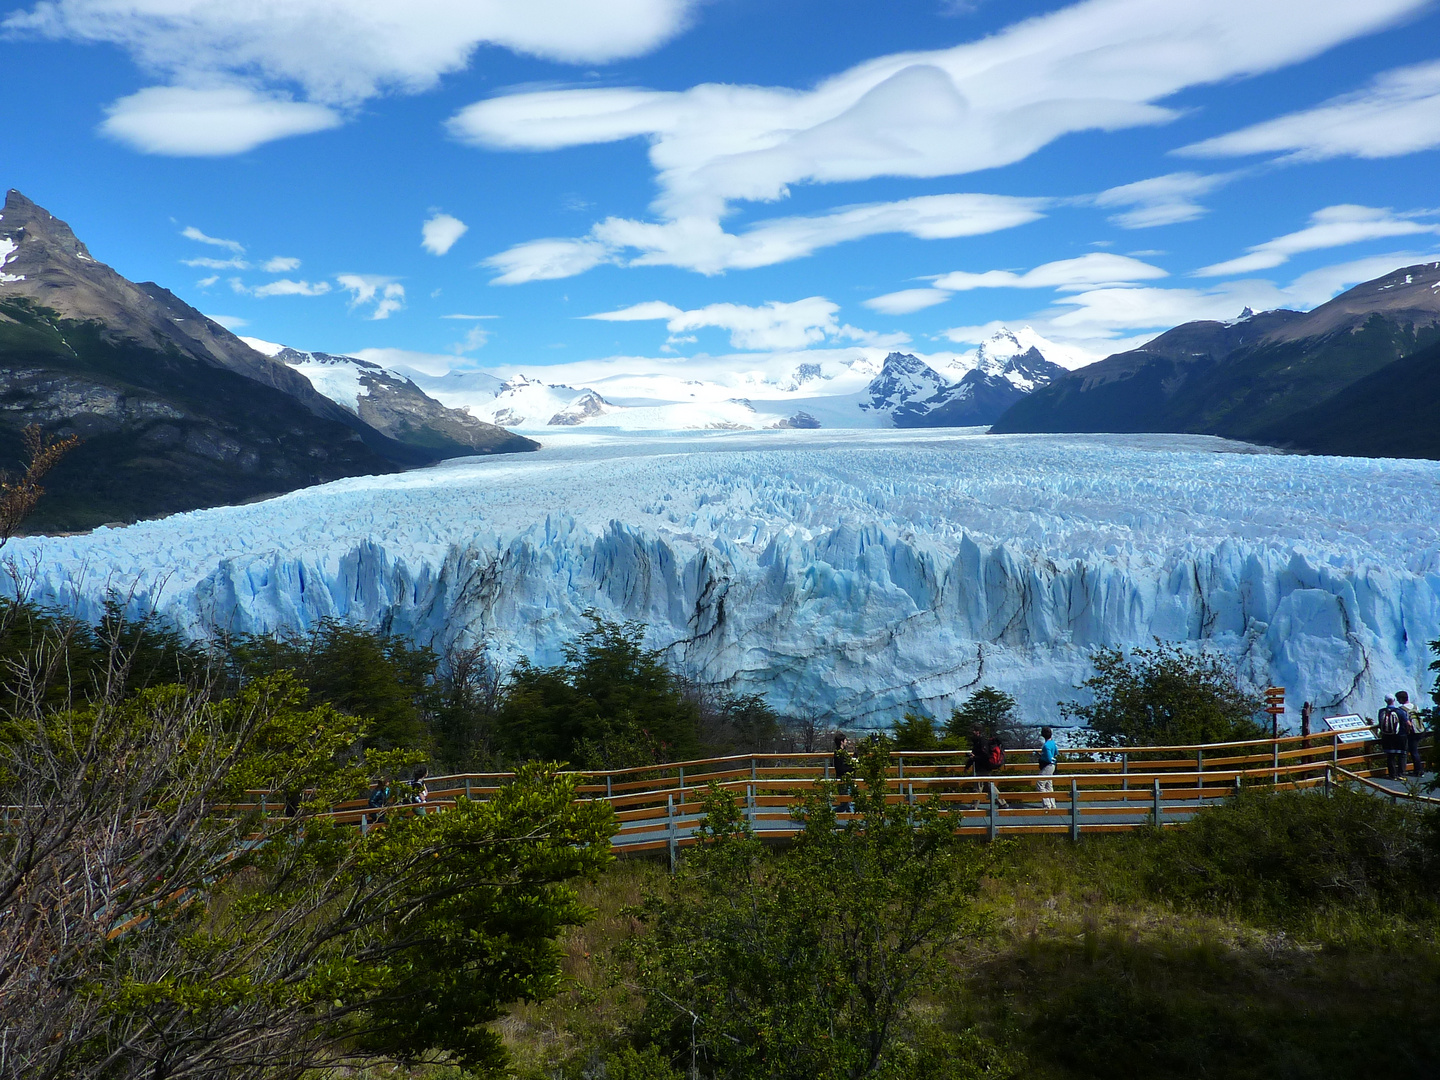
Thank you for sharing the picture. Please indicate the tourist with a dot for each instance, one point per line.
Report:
(1305, 712)
(419, 790)
(1049, 756)
(844, 769)
(1391, 740)
(1410, 728)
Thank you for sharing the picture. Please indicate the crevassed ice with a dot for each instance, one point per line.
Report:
(843, 574)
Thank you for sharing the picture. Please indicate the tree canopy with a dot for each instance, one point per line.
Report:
(1164, 696)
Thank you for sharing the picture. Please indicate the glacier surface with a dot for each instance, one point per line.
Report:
(843, 574)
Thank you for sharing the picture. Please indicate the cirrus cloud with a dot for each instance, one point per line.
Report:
(1334, 226)
(1398, 113)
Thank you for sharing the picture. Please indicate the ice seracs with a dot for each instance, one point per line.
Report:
(844, 575)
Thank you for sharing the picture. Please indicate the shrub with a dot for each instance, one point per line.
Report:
(1164, 696)
(806, 965)
(1273, 854)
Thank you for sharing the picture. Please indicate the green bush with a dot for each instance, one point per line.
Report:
(611, 704)
(1164, 696)
(1273, 854)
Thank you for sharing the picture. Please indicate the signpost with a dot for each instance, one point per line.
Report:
(1275, 706)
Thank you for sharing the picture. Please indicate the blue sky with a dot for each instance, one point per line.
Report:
(731, 176)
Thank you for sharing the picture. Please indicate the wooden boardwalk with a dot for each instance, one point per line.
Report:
(659, 808)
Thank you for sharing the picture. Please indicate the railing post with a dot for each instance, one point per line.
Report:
(1159, 809)
(1327, 780)
(364, 824)
(1124, 771)
(1074, 809)
(900, 764)
(1275, 762)
(750, 804)
(670, 817)
(1336, 756)
(467, 787)
(607, 785)
(1199, 776)
(752, 767)
(994, 824)
(682, 783)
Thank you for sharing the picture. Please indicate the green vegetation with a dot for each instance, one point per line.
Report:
(805, 966)
(1164, 696)
(991, 712)
(153, 930)
(1285, 934)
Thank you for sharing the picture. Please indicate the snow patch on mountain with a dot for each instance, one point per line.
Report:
(844, 575)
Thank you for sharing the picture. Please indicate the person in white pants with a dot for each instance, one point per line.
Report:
(1049, 755)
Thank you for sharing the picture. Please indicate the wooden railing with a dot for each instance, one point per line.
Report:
(660, 807)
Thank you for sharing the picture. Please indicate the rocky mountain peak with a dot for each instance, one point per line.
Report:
(25, 221)
(903, 378)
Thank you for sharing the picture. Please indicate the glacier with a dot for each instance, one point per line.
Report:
(844, 575)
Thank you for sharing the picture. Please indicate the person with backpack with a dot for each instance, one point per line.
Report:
(1049, 757)
(1391, 739)
(1410, 729)
(995, 762)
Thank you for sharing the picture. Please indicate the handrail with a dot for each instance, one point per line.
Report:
(662, 810)
(1325, 739)
(1412, 796)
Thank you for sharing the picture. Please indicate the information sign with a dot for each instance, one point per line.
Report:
(1351, 727)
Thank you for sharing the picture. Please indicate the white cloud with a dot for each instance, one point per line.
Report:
(1323, 284)
(1333, 226)
(1121, 318)
(439, 233)
(1097, 65)
(286, 287)
(280, 264)
(702, 244)
(1096, 268)
(192, 233)
(907, 301)
(1161, 200)
(771, 326)
(216, 264)
(338, 52)
(475, 338)
(387, 294)
(229, 322)
(215, 121)
(469, 317)
(1398, 113)
(206, 282)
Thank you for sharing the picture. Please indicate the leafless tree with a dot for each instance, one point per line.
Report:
(19, 494)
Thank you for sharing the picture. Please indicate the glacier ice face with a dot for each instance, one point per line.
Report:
(844, 574)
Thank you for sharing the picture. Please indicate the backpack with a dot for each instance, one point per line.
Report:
(997, 756)
(1407, 722)
(1389, 721)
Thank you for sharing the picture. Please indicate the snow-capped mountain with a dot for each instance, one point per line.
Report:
(1005, 344)
(903, 378)
(847, 575)
(391, 403)
(984, 393)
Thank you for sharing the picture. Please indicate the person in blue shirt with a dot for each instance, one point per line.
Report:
(1049, 755)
